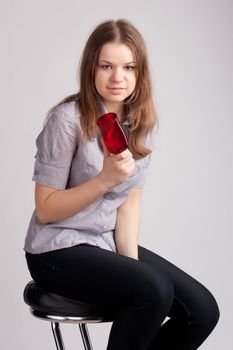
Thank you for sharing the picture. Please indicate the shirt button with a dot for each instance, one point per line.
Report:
(36, 172)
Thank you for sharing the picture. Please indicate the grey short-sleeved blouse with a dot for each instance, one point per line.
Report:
(64, 160)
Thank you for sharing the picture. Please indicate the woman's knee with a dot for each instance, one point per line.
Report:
(208, 310)
(213, 310)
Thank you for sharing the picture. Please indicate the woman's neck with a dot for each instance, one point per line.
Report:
(118, 109)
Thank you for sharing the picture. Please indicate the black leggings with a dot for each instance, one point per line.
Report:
(141, 293)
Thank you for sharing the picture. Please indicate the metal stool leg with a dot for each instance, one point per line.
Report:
(85, 336)
(57, 336)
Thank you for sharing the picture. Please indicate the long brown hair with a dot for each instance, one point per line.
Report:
(139, 105)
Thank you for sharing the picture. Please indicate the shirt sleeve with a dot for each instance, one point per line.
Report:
(56, 145)
(143, 165)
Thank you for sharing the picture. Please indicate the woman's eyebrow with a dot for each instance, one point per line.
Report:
(108, 62)
(105, 61)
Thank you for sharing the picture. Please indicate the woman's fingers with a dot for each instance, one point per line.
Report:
(116, 167)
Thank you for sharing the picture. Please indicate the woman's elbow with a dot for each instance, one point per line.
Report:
(41, 216)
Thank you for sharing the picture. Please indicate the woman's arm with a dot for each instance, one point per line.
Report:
(127, 224)
(55, 205)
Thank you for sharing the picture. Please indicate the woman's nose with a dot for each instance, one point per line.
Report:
(117, 75)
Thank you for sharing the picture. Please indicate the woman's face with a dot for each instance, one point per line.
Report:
(115, 76)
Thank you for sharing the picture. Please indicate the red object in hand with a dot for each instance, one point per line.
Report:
(113, 134)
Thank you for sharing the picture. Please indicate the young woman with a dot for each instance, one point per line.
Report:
(82, 240)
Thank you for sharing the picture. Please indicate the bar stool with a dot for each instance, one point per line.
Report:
(58, 309)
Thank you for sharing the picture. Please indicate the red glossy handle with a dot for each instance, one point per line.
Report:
(113, 134)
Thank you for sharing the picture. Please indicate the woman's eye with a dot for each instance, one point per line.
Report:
(106, 66)
(129, 67)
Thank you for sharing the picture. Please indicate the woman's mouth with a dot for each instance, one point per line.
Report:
(115, 89)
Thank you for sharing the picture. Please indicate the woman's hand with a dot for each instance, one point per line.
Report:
(116, 167)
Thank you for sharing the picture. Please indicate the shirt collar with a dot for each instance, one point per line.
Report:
(101, 105)
(126, 122)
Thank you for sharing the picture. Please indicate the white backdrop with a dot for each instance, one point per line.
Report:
(187, 202)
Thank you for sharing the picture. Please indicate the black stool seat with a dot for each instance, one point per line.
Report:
(46, 302)
(55, 308)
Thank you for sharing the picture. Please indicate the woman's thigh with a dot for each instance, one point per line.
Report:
(95, 275)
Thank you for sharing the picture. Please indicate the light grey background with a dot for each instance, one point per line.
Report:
(187, 202)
